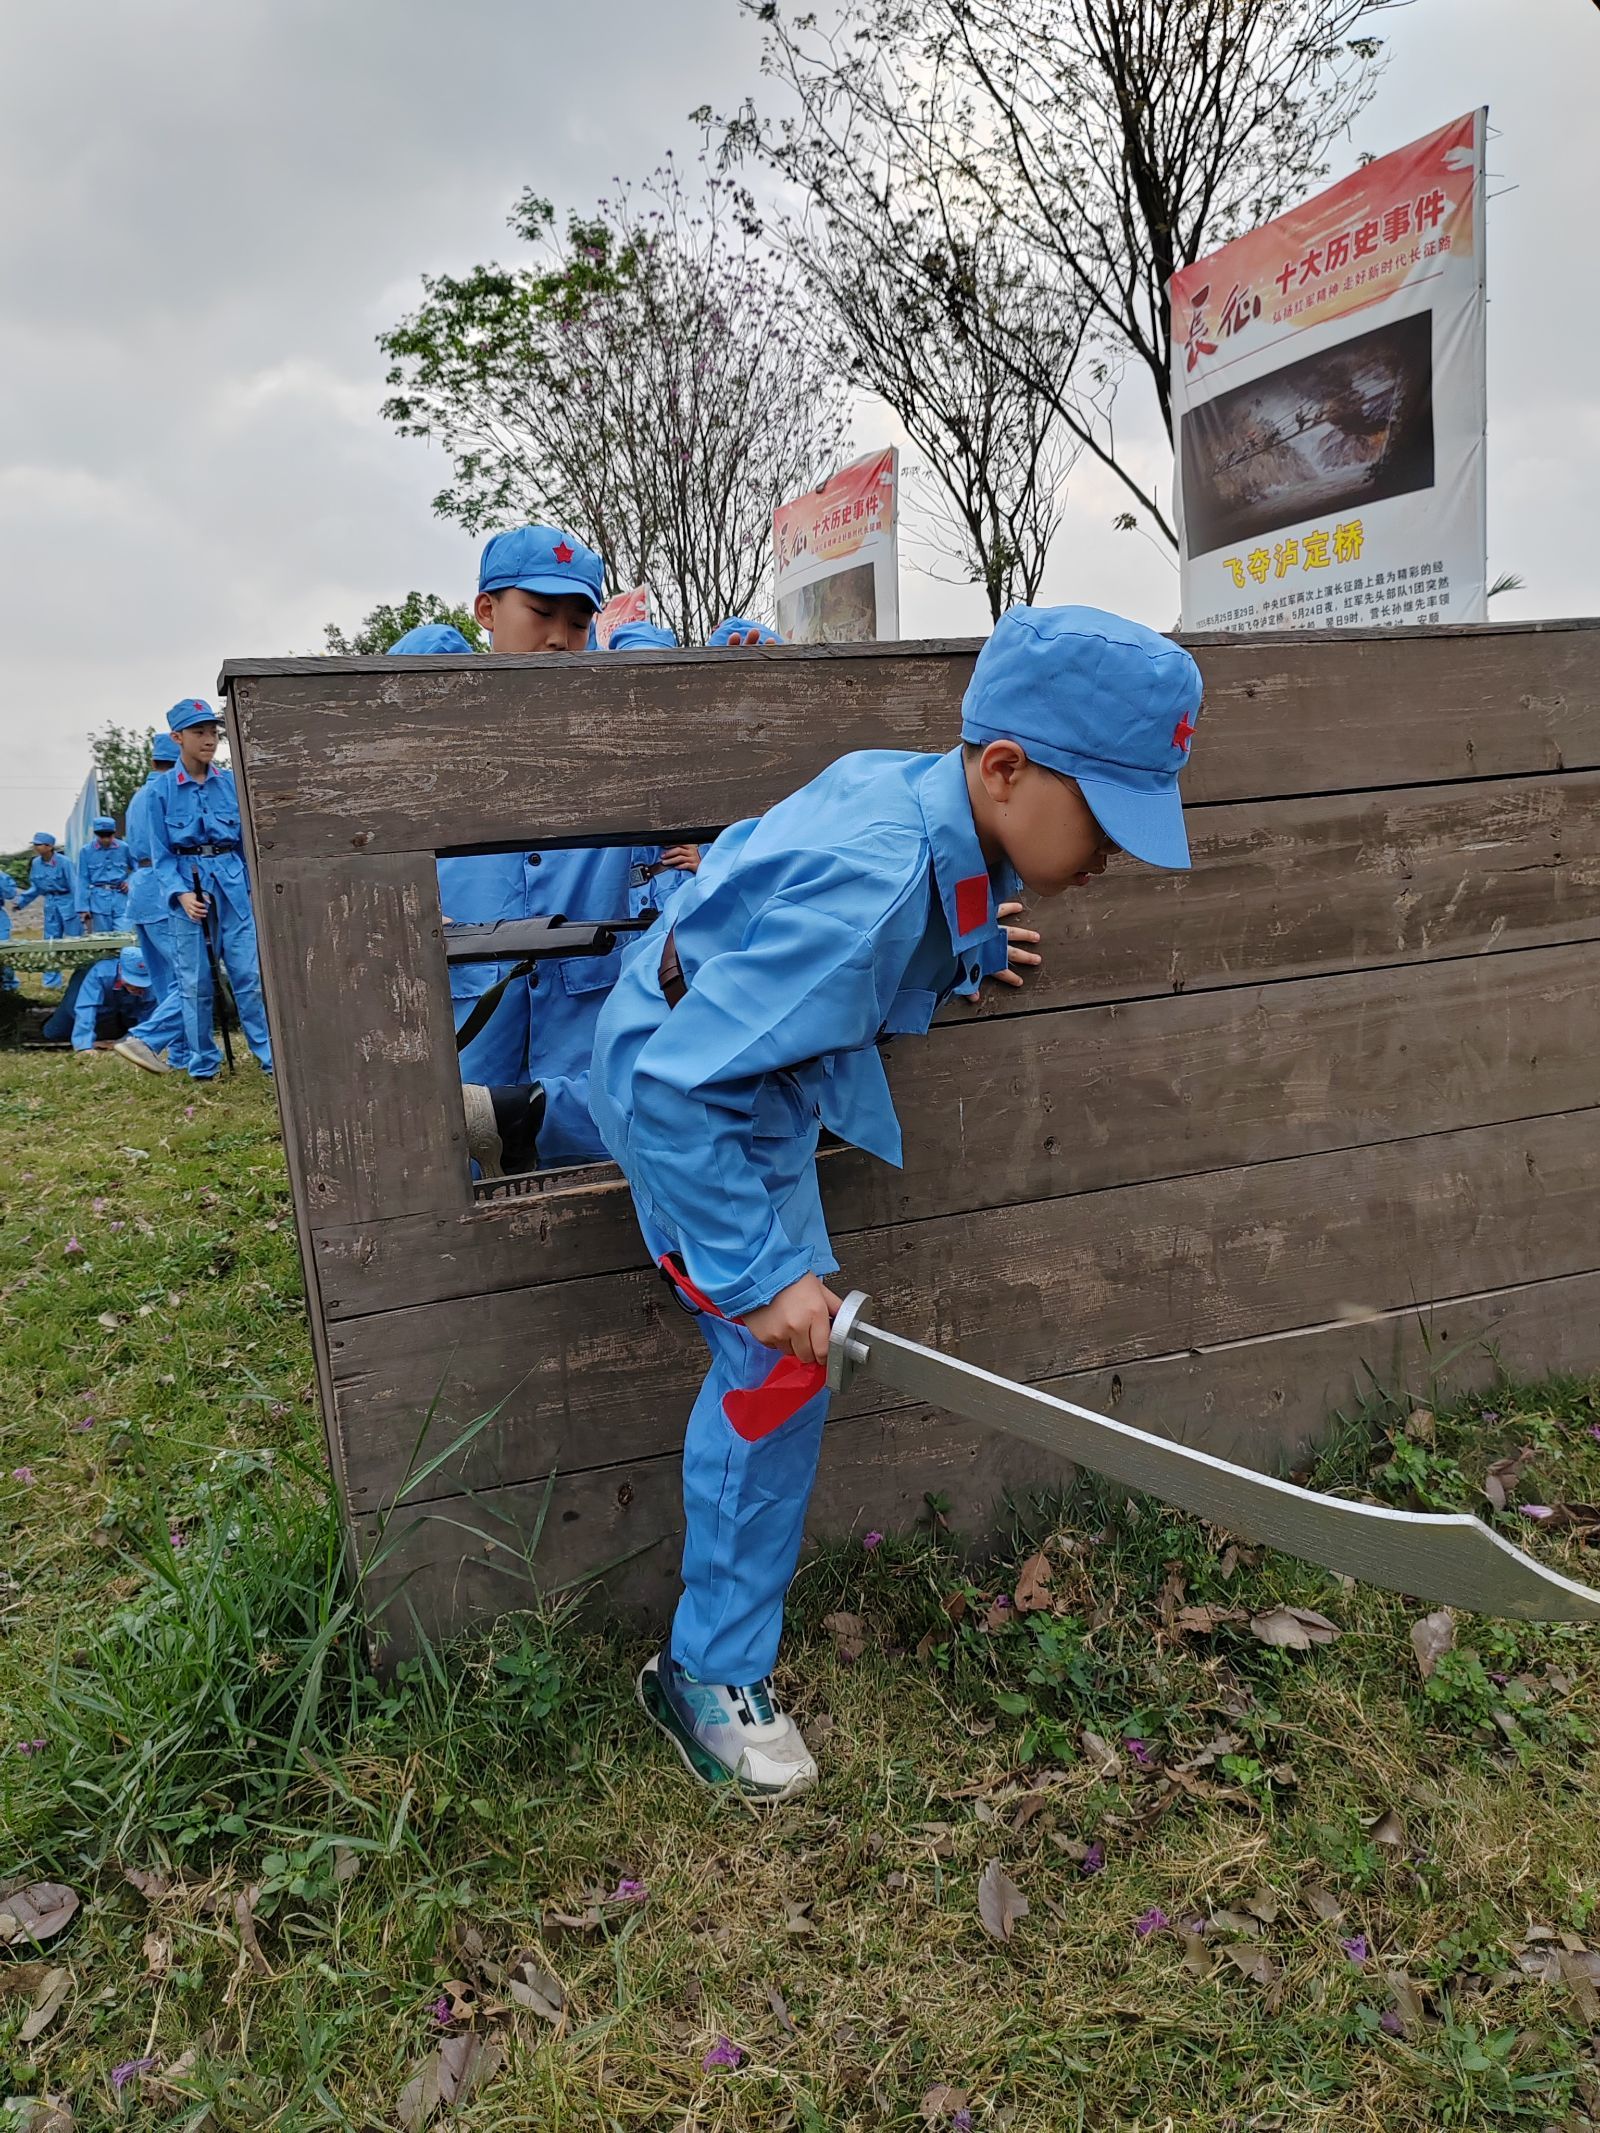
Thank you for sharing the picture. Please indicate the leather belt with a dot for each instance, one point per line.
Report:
(204, 851)
(673, 982)
(143, 862)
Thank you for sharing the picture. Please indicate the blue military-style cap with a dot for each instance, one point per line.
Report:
(192, 711)
(104, 825)
(132, 967)
(741, 626)
(429, 637)
(542, 559)
(1106, 702)
(163, 749)
(45, 837)
(643, 637)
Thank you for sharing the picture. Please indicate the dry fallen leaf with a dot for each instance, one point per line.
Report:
(797, 1918)
(942, 2101)
(53, 1989)
(1256, 1963)
(1236, 1922)
(780, 2008)
(1407, 2000)
(244, 1920)
(1000, 1902)
(1198, 1954)
(346, 1863)
(1219, 1745)
(35, 1914)
(446, 2077)
(1323, 1902)
(1100, 1753)
(1293, 1629)
(108, 1319)
(1503, 1476)
(157, 1954)
(1421, 1427)
(849, 1634)
(1581, 1985)
(1263, 1905)
(532, 1986)
(1387, 1829)
(1033, 1585)
(1431, 1638)
(39, 2114)
(1202, 1620)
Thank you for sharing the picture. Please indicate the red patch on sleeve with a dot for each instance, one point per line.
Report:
(972, 903)
(755, 1411)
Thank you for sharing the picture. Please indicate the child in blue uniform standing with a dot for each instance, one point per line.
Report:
(9, 893)
(749, 1018)
(151, 918)
(50, 878)
(197, 856)
(103, 869)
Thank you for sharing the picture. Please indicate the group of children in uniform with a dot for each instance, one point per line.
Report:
(710, 1053)
(177, 879)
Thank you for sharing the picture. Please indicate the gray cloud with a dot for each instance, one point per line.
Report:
(209, 212)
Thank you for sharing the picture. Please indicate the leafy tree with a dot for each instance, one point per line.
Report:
(386, 625)
(122, 759)
(1112, 141)
(16, 864)
(653, 381)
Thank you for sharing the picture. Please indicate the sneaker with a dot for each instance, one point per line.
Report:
(139, 1052)
(503, 1127)
(728, 1735)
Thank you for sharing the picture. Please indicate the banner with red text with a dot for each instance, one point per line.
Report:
(836, 557)
(1329, 404)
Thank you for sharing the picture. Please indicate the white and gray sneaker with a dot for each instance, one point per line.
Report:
(139, 1052)
(728, 1735)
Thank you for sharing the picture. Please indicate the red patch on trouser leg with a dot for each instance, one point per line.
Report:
(755, 1411)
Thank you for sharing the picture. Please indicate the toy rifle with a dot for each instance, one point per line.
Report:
(526, 942)
(1453, 1559)
(219, 988)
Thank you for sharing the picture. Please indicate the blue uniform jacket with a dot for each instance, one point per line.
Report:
(47, 877)
(146, 904)
(100, 868)
(186, 812)
(9, 893)
(100, 982)
(847, 914)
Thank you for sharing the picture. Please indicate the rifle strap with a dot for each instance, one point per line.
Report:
(486, 1003)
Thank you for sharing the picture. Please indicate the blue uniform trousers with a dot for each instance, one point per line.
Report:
(61, 923)
(749, 1460)
(235, 934)
(155, 945)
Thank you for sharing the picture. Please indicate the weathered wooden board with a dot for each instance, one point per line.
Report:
(372, 1097)
(1249, 1402)
(1092, 1097)
(600, 1372)
(344, 755)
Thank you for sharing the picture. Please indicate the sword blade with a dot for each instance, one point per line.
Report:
(1445, 1558)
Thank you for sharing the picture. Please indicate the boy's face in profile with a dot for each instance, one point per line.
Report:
(1038, 818)
(521, 621)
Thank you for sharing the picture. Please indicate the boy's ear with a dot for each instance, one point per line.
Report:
(483, 610)
(999, 767)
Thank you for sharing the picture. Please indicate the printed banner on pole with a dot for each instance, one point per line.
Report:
(84, 810)
(1329, 404)
(622, 607)
(836, 556)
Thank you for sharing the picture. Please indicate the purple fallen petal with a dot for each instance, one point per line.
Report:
(1155, 1920)
(1356, 1948)
(1535, 1510)
(1094, 1859)
(724, 2053)
(1391, 2024)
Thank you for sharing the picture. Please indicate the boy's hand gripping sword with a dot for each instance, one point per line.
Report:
(1453, 1559)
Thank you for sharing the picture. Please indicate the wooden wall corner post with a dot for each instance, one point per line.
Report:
(1349, 1059)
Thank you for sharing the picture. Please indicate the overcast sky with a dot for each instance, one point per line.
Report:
(207, 212)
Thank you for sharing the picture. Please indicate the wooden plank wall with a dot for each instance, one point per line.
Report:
(1327, 1106)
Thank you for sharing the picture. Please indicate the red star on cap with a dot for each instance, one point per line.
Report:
(563, 553)
(1183, 732)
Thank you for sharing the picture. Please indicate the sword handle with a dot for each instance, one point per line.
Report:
(845, 1352)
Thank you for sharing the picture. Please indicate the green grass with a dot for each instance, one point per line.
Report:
(335, 1856)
